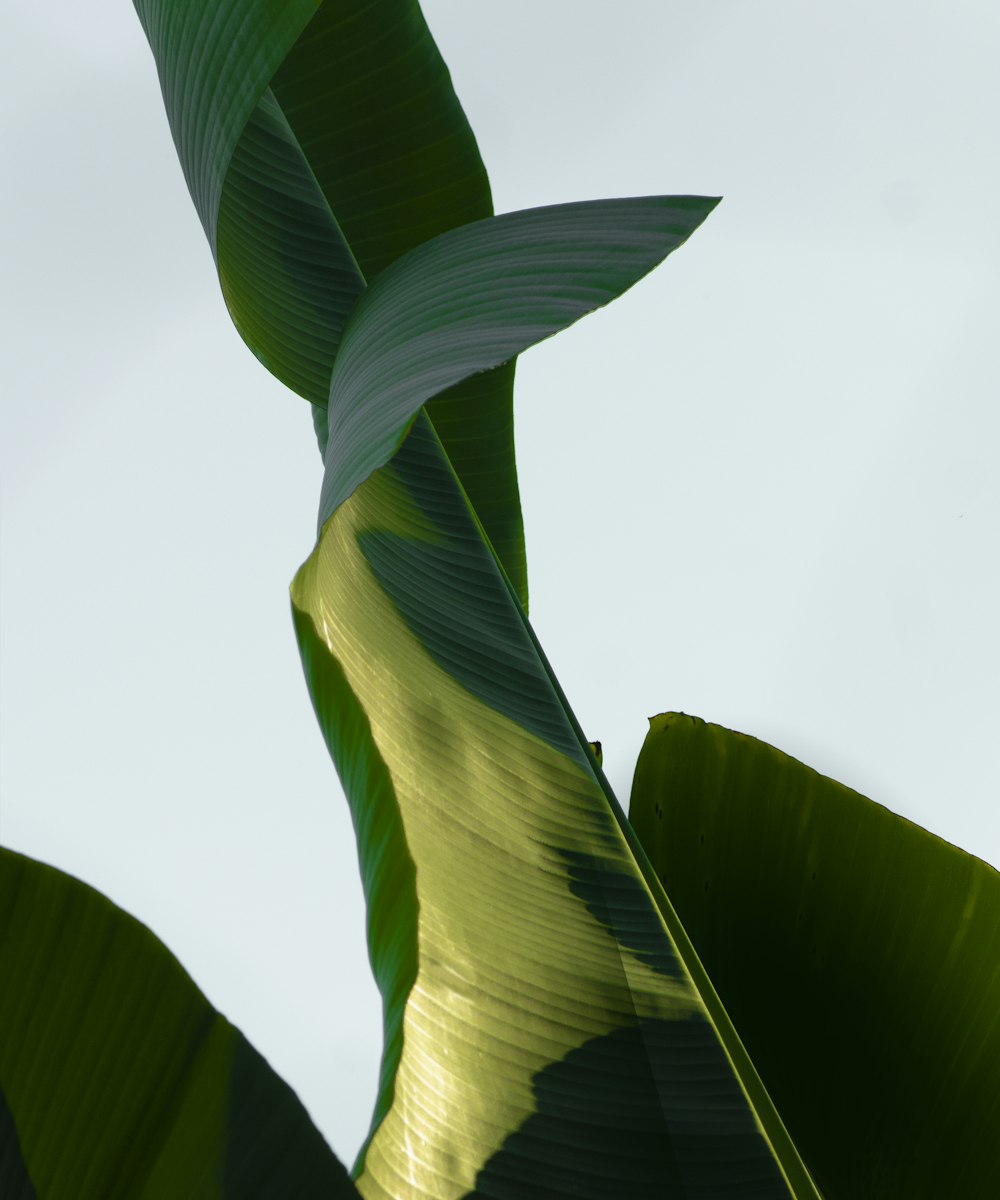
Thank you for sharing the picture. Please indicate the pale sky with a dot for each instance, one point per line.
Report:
(761, 488)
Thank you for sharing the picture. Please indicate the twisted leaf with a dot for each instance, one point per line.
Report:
(320, 142)
(548, 1029)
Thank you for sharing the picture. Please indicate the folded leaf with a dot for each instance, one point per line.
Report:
(857, 954)
(320, 142)
(475, 297)
(215, 59)
(117, 1078)
(372, 105)
(288, 274)
(548, 1031)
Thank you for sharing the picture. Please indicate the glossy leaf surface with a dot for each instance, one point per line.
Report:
(548, 1032)
(372, 106)
(118, 1078)
(857, 954)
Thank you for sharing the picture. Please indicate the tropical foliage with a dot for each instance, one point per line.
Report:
(760, 985)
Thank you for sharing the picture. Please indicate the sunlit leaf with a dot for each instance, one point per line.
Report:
(548, 1032)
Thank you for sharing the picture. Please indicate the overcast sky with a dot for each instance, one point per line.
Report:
(761, 488)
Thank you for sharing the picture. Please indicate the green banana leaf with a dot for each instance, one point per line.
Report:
(118, 1078)
(475, 297)
(320, 142)
(548, 1030)
(857, 954)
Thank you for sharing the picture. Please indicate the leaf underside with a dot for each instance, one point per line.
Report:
(472, 299)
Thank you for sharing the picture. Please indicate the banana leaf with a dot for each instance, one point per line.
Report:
(548, 1030)
(473, 298)
(118, 1078)
(321, 142)
(857, 955)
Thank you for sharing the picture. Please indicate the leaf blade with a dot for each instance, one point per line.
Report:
(119, 1076)
(321, 141)
(474, 298)
(548, 992)
(215, 60)
(836, 933)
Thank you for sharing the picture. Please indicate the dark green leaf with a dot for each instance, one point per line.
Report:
(119, 1078)
(371, 102)
(287, 273)
(320, 142)
(372, 105)
(215, 59)
(857, 955)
